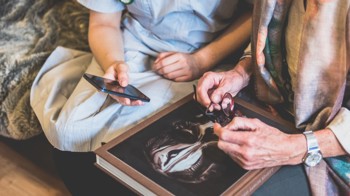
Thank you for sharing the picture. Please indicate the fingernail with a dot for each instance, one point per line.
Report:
(123, 83)
(211, 108)
(216, 126)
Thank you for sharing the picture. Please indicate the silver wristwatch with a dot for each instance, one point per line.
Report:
(313, 155)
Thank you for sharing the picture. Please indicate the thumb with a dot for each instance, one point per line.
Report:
(217, 128)
(220, 91)
(122, 74)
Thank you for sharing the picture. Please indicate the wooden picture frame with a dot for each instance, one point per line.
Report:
(127, 158)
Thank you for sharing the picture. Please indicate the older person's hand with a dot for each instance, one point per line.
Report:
(213, 85)
(253, 144)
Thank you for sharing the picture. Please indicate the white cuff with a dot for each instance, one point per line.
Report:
(340, 126)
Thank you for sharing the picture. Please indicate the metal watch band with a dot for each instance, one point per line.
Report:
(312, 144)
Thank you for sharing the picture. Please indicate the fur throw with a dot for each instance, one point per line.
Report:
(29, 31)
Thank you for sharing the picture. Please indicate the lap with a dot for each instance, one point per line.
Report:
(288, 181)
(82, 177)
(86, 117)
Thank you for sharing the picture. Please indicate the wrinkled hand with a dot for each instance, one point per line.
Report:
(177, 66)
(213, 85)
(119, 71)
(253, 144)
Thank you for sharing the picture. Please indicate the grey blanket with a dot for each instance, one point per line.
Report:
(29, 31)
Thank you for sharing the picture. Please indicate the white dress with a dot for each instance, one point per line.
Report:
(76, 117)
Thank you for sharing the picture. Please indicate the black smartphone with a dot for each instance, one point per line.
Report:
(113, 87)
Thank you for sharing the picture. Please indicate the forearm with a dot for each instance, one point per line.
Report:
(106, 41)
(296, 146)
(231, 40)
(334, 139)
(244, 68)
(329, 144)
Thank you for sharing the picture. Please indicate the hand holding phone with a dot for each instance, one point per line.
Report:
(113, 87)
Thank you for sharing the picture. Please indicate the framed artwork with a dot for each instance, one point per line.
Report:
(175, 153)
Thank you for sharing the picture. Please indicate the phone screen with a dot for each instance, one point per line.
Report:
(113, 87)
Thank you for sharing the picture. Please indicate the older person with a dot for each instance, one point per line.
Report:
(300, 62)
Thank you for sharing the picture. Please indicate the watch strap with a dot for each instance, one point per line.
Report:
(311, 140)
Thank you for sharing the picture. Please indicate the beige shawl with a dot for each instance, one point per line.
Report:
(307, 40)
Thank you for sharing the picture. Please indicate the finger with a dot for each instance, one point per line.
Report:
(228, 135)
(121, 100)
(243, 123)
(167, 61)
(122, 74)
(246, 159)
(214, 106)
(168, 69)
(236, 136)
(231, 150)
(136, 103)
(176, 74)
(222, 87)
(130, 102)
(184, 78)
(234, 143)
(206, 83)
(126, 101)
(218, 93)
(110, 75)
(238, 154)
(162, 56)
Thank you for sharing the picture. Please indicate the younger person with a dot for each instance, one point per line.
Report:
(160, 47)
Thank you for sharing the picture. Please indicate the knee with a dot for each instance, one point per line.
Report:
(67, 135)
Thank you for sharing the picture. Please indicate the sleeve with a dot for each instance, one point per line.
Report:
(104, 6)
(341, 128)
(247, 52)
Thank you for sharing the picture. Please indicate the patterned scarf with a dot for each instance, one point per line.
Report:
(316, 43)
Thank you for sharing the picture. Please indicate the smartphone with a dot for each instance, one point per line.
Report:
(113, 87)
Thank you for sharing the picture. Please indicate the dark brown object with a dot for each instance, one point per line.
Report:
(113, 157)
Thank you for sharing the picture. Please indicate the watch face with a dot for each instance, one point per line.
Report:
(313, 159)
